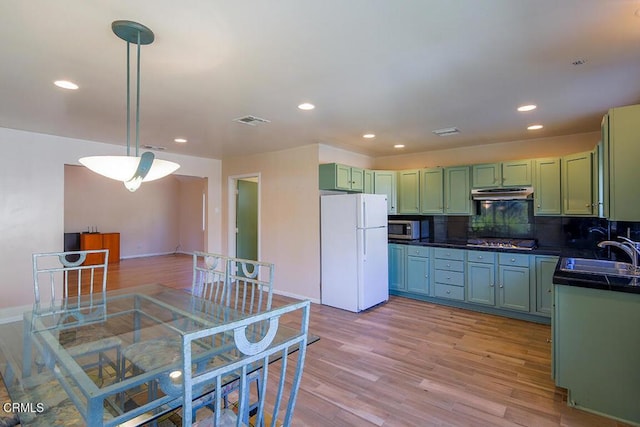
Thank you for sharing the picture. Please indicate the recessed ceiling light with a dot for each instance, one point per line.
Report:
(528, 107)
(535, 127)
(65, 84)
(180, 140)
(306, 106)
(369, 135)
(398, 146)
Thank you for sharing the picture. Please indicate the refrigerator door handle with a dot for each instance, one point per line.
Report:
(364, 213)
(364, 246)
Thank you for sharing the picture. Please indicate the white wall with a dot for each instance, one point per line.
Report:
(329, 154)
(515, 150)
(147, 220)
(32, 201)
(190, 221)
(289, 215)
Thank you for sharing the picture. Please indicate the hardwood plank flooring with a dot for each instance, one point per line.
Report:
(410, 363)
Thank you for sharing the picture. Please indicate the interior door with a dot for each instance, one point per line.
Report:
(247, 220)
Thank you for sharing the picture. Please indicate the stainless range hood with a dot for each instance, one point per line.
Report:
(510, 193)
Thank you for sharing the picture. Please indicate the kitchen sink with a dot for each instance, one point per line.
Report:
(599, 266)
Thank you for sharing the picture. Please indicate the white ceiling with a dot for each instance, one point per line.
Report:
(396, 68)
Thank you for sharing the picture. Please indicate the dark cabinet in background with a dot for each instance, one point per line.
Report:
(111, 241)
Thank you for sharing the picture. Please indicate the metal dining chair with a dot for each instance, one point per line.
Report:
(70, 295)
(210, 283)
(252, 353)
(224, 284)
(250, 285)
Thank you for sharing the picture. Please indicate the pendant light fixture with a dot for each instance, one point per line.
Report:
(131, 170)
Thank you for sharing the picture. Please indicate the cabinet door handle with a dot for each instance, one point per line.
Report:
(588, 205)
(480, 257)
(491, 285)
(538, 204)
(549, 290)
(501, 286)
(448, 292)
(513, 260)
(426, 276)
(448, 265)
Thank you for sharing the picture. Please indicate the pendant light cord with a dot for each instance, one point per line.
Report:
(138, 98)
(128, 104)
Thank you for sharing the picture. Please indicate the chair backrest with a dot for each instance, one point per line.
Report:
(210, 276)
(242, 284)
(250, 356)
(251, 285)
(77, 278)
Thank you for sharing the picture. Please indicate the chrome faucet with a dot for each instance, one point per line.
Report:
(630, 247)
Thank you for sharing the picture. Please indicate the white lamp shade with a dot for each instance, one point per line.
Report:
(122, 168)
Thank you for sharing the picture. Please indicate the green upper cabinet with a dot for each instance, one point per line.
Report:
(457, 191)
(621, 138)
(547, 198)
(517, 173)
(577, 184)
(409, 191)
(334, 176)
(384, 182)
(505, 174)
(432, 191)
(368, 181)
(487, 175)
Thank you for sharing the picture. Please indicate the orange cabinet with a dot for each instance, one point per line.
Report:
(111, 241)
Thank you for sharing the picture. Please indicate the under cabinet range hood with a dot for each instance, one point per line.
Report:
(510, 193)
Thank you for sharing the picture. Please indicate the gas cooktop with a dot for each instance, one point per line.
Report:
(503, 243)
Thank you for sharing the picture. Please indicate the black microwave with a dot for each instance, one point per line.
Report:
(407, 229)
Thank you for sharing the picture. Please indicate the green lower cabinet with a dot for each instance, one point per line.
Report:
(498, 279)
(481, 283)
(418, 274)
(397, 268)
(513, 288)
(544, 268)
(596, 348)
(500, 283)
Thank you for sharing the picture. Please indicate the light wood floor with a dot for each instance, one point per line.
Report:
(410, 363)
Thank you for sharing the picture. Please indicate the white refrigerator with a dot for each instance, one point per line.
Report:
(353, 250)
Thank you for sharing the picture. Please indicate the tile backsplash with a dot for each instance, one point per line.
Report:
(515, 219)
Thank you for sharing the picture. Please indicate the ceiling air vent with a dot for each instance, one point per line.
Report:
(447, 131)
(251, 120)
(153, 147)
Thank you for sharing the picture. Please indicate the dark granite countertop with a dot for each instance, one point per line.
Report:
(462, 244)
(596, 281)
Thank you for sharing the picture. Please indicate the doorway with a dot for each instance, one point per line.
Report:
(244, 216)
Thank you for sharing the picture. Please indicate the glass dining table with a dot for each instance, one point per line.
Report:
(70, 362)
